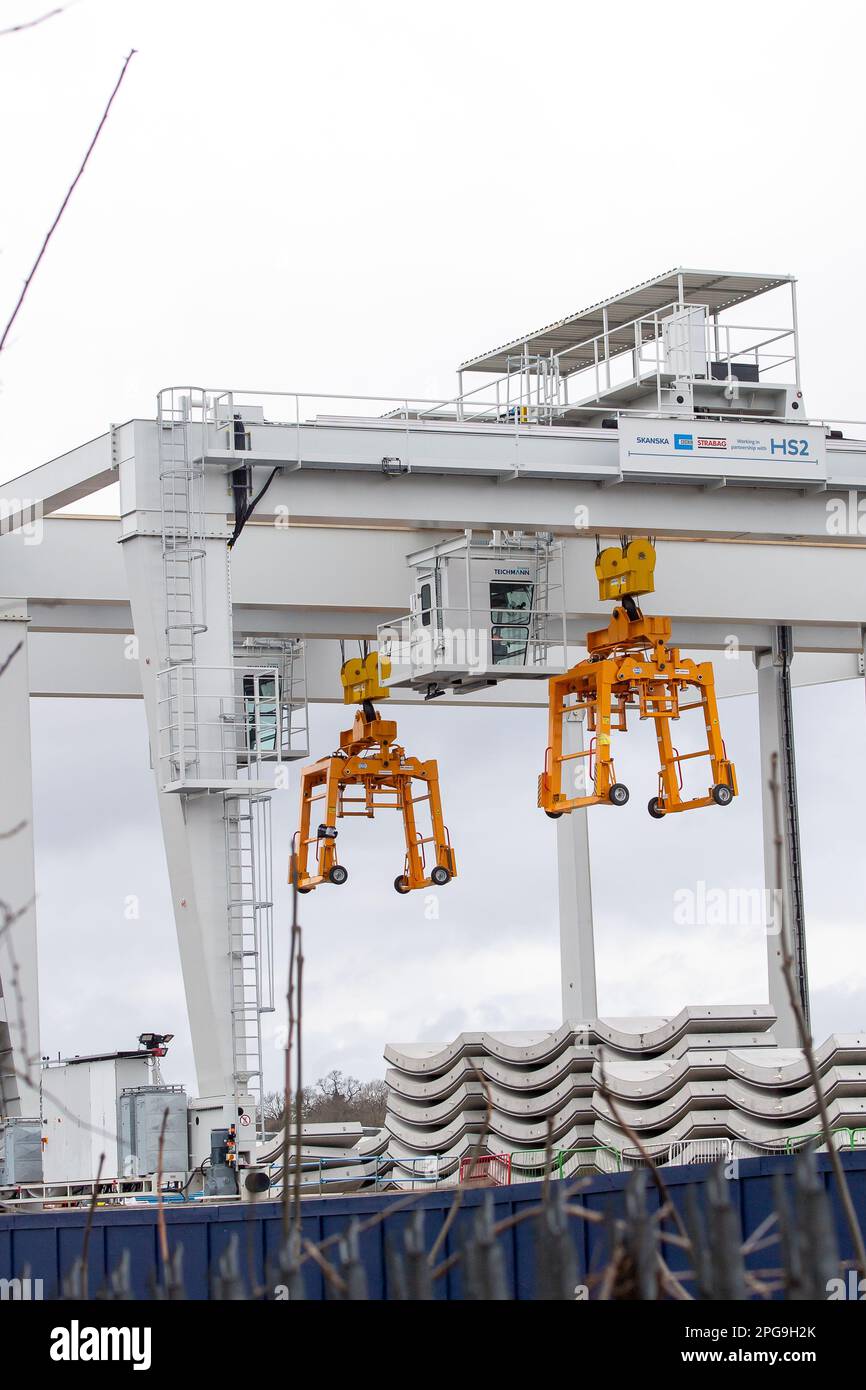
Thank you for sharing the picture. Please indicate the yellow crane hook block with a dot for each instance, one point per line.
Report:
(362, 678)
(373, 766)
(629, 666)
(626, 571)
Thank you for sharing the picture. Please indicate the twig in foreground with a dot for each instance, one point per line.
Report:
(842, 1189)
(32, 23)
(69, 192)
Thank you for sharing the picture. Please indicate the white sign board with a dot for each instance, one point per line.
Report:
(730, 448)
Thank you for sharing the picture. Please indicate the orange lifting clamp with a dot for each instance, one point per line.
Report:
(370, 759)
(630, 666)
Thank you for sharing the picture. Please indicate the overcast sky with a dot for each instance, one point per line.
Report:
(354, 198)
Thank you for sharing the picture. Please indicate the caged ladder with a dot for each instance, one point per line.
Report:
(181, 495)
(249, 899)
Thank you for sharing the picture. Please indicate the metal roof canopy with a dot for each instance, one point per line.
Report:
(718, 289)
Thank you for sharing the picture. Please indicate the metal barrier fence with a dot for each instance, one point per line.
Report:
(485, 1170)
(334, 1176)
(773, 1228)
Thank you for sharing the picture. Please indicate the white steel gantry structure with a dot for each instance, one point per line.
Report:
(659, 412)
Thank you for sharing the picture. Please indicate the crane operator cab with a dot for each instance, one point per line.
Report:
(481, 610)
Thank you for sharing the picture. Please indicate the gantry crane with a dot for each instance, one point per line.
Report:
(370, 759)
(630, 666)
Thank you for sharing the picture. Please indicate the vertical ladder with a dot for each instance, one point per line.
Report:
(250, 932)
(181, 489)
(791, 819)
(181, 492)
(545, 589)
(294, 690)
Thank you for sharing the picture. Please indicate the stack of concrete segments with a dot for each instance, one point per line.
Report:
(709, 1083)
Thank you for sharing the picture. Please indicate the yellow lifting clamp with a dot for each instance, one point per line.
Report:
(630, 666)
(370, 759)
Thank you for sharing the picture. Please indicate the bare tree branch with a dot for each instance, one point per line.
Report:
(842, 1190)
(14, 652)
(51, 230)
(655, 1176)
(85, 1246)
(32, 23)
(161, 1227)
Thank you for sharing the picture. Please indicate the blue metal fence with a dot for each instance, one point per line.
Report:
(45, 1245)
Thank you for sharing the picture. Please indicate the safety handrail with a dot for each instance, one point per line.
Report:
(565, 1154)
(408, 412)
(534, 1165)
(627, 342)
(795, 1141)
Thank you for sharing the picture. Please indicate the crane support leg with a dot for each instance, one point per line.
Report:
(193, 826)
(784, 880)
(20, 1065)
(576, 938)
